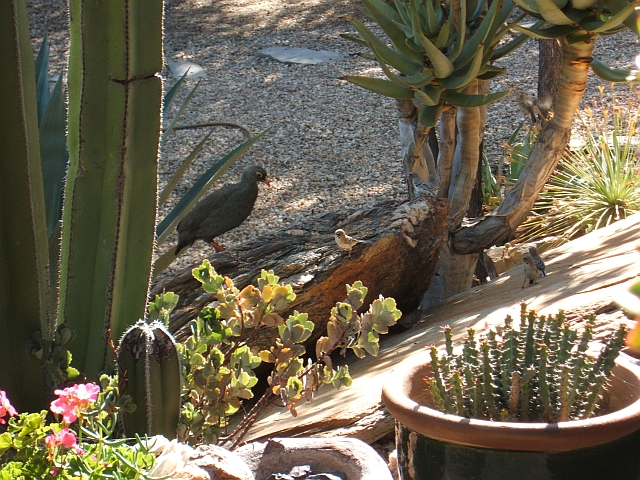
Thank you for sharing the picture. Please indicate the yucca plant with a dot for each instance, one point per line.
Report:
(538, 371)
(596, 184)
(512, 161)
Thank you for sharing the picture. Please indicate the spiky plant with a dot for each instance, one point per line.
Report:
(597, 184)
(539, 371)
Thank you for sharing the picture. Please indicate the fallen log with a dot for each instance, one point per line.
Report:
(396, 259)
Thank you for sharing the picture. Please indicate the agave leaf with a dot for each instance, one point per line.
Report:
(489, 71)
(552, 13)
(166, 191)
(386, 9)
(198, 189)
(467, 74)
(42, 77)
(631, 21)
(384, 53)
(443, 36)
(470, 48)
(432, 22)
(354, 39)
(405, 19)
(428, 116)
(53, 154)
(181, 110)
(509, 47)
(554, 31)
(616, 75)
(528, 6)
(442, 66)
(475, 9)
(617, 19)
(393, 31)
(582, 4)
(381, 86)
(429, 95)
(467, 101)
(168, 98)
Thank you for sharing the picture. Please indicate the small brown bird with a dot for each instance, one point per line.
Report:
(344, 241)
(422, 188)
(531, 273)
(221, 211)
(537, 261)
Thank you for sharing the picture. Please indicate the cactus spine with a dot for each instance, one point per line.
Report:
(539, 371)
(149, 369)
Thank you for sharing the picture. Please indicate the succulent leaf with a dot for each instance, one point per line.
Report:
(465, 100)
(611, 74)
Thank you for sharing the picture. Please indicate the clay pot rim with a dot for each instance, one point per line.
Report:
(536, 436)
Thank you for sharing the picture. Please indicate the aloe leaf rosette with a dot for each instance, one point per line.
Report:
(431, 60)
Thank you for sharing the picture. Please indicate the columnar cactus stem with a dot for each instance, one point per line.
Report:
(108, 232)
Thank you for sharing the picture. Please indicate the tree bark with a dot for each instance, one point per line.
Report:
(397, 260)
(500, 225)
(549, 64)
(414, 144)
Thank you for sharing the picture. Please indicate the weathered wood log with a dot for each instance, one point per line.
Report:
(396, 259)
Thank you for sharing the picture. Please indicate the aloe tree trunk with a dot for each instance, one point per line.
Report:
(416, 154)
(24, 290)
(546, 154)
(110, 195)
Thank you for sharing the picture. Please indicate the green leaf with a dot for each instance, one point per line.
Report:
(387, 55)
(168, 188)
(53, 154)
(468, 101)
(42, 76)
(393, 31)
(179, 113)
(616, 75)
(381, 86)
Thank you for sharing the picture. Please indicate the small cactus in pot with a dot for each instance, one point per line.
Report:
(538, 372)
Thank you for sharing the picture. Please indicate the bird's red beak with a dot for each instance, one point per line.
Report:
(266, 180)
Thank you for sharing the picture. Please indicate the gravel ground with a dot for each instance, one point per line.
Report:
(331, 145)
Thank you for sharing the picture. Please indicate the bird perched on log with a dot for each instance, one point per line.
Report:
(422, 188)
(222, 210)
(344, 241)
(531, 273)
(537, 260)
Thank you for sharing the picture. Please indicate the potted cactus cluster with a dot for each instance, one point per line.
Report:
(525, 401)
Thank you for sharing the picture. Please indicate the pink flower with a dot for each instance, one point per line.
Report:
(74, 400)
(64, 438)
(5, 407)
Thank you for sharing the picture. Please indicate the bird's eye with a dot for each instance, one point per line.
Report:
(258, 174)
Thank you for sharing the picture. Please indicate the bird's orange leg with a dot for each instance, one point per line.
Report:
(218, 248)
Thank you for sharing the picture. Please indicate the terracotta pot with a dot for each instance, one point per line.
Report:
(433, 445)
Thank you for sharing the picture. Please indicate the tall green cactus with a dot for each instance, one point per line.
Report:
(110, 195)
(24, 291)
(108, 223)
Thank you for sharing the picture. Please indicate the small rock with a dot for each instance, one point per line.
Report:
(195, 71)
(300, 55)
(219, 463)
